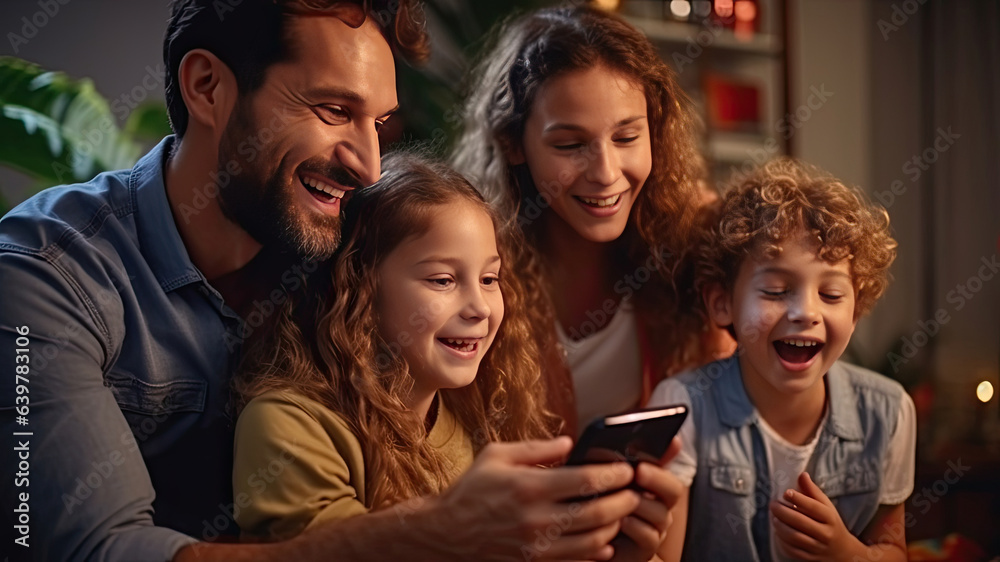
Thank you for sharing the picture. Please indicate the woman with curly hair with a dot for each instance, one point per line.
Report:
(419, 358)
(577, 128)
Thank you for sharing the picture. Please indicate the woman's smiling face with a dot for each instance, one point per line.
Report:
(587, 144)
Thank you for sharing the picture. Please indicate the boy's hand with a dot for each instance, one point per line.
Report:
(807, 525)
(643, 531)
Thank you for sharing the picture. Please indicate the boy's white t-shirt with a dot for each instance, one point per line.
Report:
(786, 460)
(606, 366)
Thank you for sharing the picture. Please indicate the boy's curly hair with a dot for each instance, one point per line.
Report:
(762, 210)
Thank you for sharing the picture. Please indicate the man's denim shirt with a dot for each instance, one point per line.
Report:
(130, 354)
(728, 504)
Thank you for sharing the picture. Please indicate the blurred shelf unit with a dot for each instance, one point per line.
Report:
(731, 58)
(664, 31)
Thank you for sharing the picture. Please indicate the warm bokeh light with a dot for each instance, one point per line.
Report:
(984, 392)
(680, 9)
(745, 10)
(724, 8)
(608, 5)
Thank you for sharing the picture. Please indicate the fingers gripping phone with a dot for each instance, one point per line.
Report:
(643, 435)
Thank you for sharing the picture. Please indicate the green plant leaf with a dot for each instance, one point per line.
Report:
(430, 95)
(148, 122)
(55, 128)
(38, 148)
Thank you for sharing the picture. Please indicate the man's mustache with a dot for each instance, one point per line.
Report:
(336, 173)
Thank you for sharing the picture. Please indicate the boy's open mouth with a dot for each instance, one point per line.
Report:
(465, 345)
(797, 351)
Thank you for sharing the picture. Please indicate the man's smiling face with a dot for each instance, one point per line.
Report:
(308, 136)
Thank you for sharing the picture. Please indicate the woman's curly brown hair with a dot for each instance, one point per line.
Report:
(766, 208)
(528, 52)
(326, 345)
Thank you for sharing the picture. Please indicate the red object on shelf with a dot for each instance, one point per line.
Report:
(733, 104)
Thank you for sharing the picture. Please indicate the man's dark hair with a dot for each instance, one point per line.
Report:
(249, 36)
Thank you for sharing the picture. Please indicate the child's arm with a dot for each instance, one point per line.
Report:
(673, 543)
(684, 466)
(887, 532)
(809, 527)
(503, 504)
(291, 470)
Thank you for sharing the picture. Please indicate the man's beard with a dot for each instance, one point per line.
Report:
(262, 202)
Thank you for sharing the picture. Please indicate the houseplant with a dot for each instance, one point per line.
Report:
(57, 129)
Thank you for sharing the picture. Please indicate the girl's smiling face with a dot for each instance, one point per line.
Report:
(587, 144)
(793, 316)
(439, 298)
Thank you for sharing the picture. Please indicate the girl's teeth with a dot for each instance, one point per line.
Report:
(462, 345)
(601, 202)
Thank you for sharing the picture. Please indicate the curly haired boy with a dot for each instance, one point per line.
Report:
(789, 452)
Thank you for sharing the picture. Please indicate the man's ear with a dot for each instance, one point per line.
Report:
(208, 88)
(719, 305)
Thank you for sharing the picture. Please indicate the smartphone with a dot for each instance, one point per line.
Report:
(643, 435)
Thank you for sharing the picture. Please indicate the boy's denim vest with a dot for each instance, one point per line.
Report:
(728, 515)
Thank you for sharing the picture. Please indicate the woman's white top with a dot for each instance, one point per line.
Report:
(606, 364)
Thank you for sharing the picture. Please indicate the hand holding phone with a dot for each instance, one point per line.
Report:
(643, 435)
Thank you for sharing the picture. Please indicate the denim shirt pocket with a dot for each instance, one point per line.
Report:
(726, 509)
(737, 480)
(141, 397)
(860, 477)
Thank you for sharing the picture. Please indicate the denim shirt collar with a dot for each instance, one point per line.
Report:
(736, 410)
(156, 230)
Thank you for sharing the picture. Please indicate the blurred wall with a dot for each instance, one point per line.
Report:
(913, 117)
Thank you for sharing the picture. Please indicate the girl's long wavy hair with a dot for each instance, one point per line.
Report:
(326, 345)
(528, 52)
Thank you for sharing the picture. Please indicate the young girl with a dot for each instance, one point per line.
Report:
(789, 453)
(576, 127)
(409, 372)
